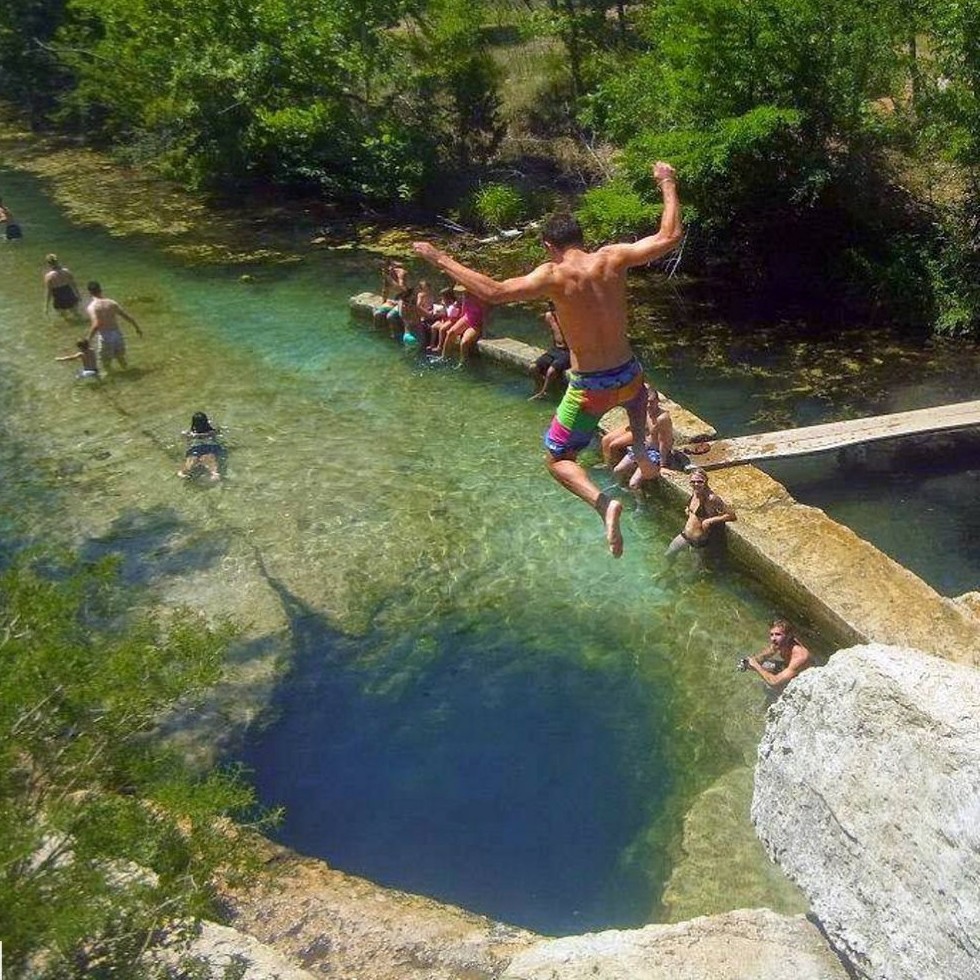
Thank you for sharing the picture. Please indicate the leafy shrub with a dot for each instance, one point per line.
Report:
(615, 211)
(499, 205)
(105, 837)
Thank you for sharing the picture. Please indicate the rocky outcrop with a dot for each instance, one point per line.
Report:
(219, 952)
(334, 924)
(749, 944)
(867, 793)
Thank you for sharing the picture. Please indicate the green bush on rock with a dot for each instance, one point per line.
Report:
(106, 838)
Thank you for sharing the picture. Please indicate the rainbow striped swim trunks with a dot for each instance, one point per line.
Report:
(590, 394)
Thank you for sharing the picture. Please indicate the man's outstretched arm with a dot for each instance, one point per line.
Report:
(671, 230)
(532, 286)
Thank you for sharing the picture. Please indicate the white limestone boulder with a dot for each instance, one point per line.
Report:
(867, 794)
(748, 944)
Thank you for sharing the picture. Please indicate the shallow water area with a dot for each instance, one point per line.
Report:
(443, 676)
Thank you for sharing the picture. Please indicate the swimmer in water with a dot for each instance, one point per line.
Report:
(85, 354)
(203, 450)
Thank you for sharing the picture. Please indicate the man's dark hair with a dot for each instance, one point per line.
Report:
(94, 288)
(562, 230)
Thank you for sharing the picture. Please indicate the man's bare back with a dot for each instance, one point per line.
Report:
(102, 314)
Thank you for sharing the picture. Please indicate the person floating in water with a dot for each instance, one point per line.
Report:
(12, 231)
(555, 361)
(589, 293)
(85, 354)
(60, 290)
(204, 449)
(705, 511)
(102, 313)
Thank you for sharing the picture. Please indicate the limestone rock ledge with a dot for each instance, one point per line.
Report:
(748, 944)
(867, 794)
(331, 924)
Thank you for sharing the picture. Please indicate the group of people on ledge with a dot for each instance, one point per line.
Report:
(415, 315)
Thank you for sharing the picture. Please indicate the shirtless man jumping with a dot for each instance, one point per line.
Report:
(102, 313)
(589, 293)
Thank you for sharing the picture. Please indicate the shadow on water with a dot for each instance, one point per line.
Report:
(456, 762)
(155, 543)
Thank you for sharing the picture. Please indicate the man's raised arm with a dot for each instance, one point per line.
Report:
(532, 286)
(671, 230)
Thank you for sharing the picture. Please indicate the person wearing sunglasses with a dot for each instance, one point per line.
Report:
(705, 512)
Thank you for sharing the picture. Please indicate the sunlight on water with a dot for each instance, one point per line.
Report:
(464, 695)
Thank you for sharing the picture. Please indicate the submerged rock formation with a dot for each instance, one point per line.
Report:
(867, 793)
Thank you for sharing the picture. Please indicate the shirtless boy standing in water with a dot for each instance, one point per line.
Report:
(102, 313)
(589, 293)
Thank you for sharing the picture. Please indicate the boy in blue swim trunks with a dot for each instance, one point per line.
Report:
(589, 293)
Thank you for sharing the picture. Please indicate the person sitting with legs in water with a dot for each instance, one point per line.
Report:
(204, 449)
(468, 328)
(617, 445)
(425, 303)
(705, 511)
(451, 308)
(589, 293)
(85, 354)
(555, 361)
(60, 290)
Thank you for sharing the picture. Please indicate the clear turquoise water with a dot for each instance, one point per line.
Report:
(470, 698)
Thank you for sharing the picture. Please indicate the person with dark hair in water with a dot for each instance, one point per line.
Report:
(588, 289)
(85, 354)
(60, 290)
(12, 231)
(102, 313)
(204, 449)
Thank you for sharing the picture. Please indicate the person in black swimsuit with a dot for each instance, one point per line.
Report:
(705, 511)
(204, 449)
(554, 362)
(60, 290)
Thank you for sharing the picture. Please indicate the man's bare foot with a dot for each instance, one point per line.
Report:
(614, 536)
(636, 480)
(183, 475)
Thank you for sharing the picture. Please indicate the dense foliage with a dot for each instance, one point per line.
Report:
(820, 141)
(105, 837)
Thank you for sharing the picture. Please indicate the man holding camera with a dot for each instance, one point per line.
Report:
(782, 660)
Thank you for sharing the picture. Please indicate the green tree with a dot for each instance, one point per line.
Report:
(30, 73)
(105, 837)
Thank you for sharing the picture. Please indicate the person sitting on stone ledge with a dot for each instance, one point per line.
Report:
(617, 444)
(554, 362)
(783, 659)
